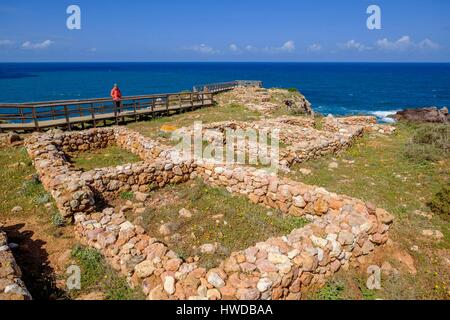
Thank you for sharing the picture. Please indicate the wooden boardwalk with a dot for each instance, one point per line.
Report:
(66, 114)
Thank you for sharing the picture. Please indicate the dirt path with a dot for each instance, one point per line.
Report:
(42, 255)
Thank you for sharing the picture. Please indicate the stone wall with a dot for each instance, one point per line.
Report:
(300, 140)
(267, 101)
(368, 123)
(341, 229)
(11, 286)
(74, 190)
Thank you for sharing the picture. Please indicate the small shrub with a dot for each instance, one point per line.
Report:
(153, 186)
(435, 135)
(440, 204)
(127, 195)
(292, 90)
(30, 188)
(58, 220)
(430, 142)
(333, 290)
(97, 275)
(421, 153)
(43, 199)
(91, 263)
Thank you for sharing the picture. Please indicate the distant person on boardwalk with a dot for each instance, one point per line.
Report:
(116, 95)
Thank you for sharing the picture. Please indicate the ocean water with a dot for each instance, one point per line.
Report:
(336, 88)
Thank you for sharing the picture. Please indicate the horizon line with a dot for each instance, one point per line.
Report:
(144, 61)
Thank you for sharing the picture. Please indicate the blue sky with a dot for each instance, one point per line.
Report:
(245, 30)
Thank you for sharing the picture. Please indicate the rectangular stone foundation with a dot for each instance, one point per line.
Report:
(341, 229)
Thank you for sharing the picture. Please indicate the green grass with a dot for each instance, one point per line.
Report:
(20, 186)
(127, 195)
(332, 290)
(440, 203)
(107, 157)
(384, 175)
(229, 112)
(247, 223)
(97, 275)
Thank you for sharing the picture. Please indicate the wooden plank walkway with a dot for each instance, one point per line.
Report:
(65, 114)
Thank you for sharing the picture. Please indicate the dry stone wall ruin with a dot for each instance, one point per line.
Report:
(341, 228)
(11, 285)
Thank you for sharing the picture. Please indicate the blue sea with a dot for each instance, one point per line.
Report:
(336, 88)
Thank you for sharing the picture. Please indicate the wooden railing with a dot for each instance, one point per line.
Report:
(66, 113)
(225, 86)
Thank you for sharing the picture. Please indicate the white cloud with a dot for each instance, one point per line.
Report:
(288, 46)
(5, 43)
(202, 48)
(354, 45)
(234, 48)
(428, 44)
(36, 46)
(315, 47)
(405, 43)
(401, 44)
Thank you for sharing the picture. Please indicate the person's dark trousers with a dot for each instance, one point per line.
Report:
(117, 105)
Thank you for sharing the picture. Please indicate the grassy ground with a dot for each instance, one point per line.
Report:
(108, 157)
(380, 169)
(44, 241)
(98, 280)
(217, 216)
(208, 115)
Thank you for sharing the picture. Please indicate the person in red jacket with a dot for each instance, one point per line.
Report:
(116, 95)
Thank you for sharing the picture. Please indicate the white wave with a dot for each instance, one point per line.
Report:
(384, 115)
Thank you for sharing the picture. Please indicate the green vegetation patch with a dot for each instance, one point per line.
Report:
(20, 185)
(429, 142)
(217, 216)
(107, 157)
(440, 204)
(376, 170)
(97, 275)
(220, 113)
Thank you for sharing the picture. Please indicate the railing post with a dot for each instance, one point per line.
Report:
(93, 115)
(22, 116)
(66, 113)
(167, 105)
(36, 122)
(153, 107)
(135, 113)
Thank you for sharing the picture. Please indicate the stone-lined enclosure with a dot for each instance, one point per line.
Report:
(301, 140)
(341, 228)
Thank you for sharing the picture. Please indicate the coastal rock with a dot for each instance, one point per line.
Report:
(431, 114)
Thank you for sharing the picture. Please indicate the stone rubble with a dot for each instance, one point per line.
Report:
(267, 101)
(11, 285)
(301, 140)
